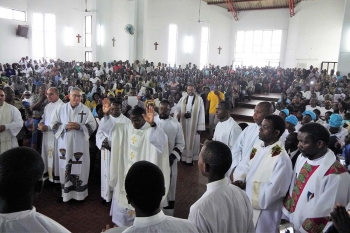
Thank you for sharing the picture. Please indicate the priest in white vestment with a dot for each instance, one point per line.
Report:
(18, 189)
(176, 143)
(139, 140)
(249, 136)
(223, 207)
(319, 182)
(268, 176)
(49, 151)
(72, 125)
(10, 124)
(227, 130)
(190, 110)
(103, 142)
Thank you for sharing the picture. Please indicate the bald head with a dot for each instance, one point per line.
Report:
(262, 110)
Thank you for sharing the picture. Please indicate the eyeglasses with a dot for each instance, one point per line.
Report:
(76, 96)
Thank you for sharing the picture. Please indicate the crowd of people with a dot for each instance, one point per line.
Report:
(287, 170)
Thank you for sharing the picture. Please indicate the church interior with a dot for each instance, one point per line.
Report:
(302, 33)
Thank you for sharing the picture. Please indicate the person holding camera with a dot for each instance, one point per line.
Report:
(214, 98)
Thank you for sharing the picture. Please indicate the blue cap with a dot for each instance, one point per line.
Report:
(335, 120)
(311, 114)
(292, 119)
(286, 111)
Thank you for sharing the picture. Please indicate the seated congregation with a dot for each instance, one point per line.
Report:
(288, 169)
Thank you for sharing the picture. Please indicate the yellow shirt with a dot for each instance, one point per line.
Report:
(214, 101)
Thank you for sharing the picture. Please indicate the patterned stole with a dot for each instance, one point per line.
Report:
(194, 119)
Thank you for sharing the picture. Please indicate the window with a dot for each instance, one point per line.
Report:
(204, 47)
(44, 36)
(258, 48)
(7, 13)
(172, 44)
(88, 56)
(88, 31)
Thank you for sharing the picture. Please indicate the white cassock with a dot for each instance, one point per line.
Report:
(73, 148)
(317, 185)
(11, 118)
(129, 145)
(267, 181)
(244, 144)
(49, 151)
(157, 223)
(103, 133)
(29, 221)
(194, 105)
(227, 132)
(284, 136)
(176, 143)
(222, 208)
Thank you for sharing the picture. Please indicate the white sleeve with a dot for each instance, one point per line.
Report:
(179, 142)
(17, 123)
(234, 134)
(158, 138)
(104, 130)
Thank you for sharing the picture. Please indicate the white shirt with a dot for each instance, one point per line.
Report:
(222, 208)
(159, 223)
(29, 221)
(227, 132)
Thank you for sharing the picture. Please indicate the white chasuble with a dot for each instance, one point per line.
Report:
(49, 151)
(11, 118)
(129, 145)
(73, 148)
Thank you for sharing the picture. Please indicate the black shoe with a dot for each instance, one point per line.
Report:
(59, 200)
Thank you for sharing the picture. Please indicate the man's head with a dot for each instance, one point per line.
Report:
(21, 171)
(313, 140)
(116, 108)
(52, 94)
(271, 129)
(2, 96)
(164, 109)
(75, 96)
(261, 111)
(9, 94)
(291, 142)
(215, 158)
(145, 187)
(136, 117)
(190, 89)
(223, 110)
(133, 91)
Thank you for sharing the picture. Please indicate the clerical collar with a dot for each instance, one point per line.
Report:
(149, 221)
(217, 184)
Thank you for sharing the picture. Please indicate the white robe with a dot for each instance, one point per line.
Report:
(105, 128)
(267, 181)
(73, 148)
(322, 183)
(176, 143)
(244, 144)
(191, 126)
(130, 145)
(222, 208)
(49, 152)
(227, 132)
(11, 118)
(157, 224)
(29, 221)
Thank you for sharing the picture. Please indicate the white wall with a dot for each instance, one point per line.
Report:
(344, 50)
(315, 33)
(160, 13)
(12, 48)
(277, 19)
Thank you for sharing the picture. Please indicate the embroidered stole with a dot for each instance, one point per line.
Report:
(5, 136)
(194, 119)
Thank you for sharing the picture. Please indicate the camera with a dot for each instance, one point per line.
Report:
(187, 115)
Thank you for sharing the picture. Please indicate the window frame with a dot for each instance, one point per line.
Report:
(12, 14)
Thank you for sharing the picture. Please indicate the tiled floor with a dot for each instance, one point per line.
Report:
(91, 215)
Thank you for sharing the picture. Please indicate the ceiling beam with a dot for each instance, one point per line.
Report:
(263, 8)
(233, 1)
(231, 7)
(291, 8)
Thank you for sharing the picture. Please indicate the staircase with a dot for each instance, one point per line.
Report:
(245, 110)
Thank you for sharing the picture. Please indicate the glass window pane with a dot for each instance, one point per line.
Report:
(275, 49)
(249, 35)
(88, 24)
(88, 40)
(257, 49)
(265, 49)
(50, 44)
(88, 56)
(172, 44)
(5, 13)
(238, 55)
(204, 47)
(274, 56)
(277, 37)
(248, 49)
(38, 44)
(240, 35)
(267, 34)
(19, 15)
(50, 22)
(205, 34)
(38, 22)
(239, 49)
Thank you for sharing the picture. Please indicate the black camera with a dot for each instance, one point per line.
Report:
(187, 115)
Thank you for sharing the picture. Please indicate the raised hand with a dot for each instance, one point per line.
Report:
(149, 116)
(106, 105)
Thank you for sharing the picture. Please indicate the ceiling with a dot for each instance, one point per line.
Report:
(235, 6)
